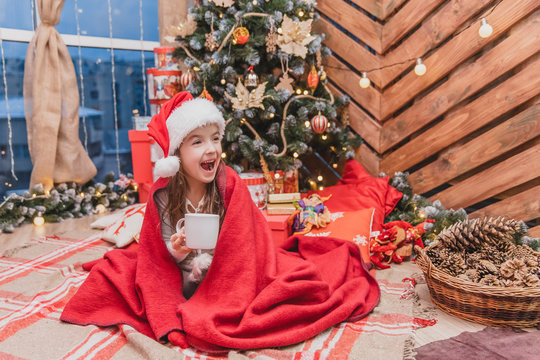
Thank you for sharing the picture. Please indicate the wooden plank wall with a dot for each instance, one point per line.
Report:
(468, 131)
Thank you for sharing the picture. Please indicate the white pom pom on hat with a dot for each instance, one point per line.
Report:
(189, 116)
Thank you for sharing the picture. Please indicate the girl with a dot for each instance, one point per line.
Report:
(253, 294)
(192, 187)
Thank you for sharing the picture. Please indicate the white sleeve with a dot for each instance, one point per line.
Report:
(167, 230)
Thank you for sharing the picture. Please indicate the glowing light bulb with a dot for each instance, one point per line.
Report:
(334, 165)
(279, 30)
(298, 91)
(124, 197)
(420, 68)
(81, 194)
(276, 175)
(422, 214)
(300, 13)
(39, 220)
(306, 92)
(272, 115)
(47, 192)
(295, 155)
(223, 155)
(324, 137)
(196, 68)
(222, 81)
(320, 178)
(321, 187)
(100, 208)
(254, 2)
(98, 194)
(485, 29)
(364, 81)
(34, 195)
(307, 123)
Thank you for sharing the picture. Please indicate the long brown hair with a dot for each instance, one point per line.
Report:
(177, 194)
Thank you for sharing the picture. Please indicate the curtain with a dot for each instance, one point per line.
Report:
(51, 98)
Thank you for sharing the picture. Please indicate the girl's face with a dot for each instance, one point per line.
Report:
(200, 154)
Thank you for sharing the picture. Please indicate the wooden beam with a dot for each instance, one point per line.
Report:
(518, 130)
(369, 98)
(534, 232)
(374, 7)
(348, 49)
(356, 22)
(406, 19)
(361, 123)
(470, 79)
(460, 48)
(511, 172)
(368, 159)
(459, 123)
(524, 206)
(388, 6)
(431, 33)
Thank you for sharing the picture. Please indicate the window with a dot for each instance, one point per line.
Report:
(93, 59)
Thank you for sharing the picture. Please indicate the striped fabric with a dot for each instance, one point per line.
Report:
(36, 281)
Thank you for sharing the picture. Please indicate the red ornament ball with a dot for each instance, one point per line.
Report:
(319, 123)
(186, 79)
(240, 35)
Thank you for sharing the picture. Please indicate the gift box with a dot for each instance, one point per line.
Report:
(164, 60)
(166, 83)
(257, 186)
(285, 181)
(279, 226)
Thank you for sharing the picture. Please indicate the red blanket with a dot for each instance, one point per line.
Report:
(254, 294)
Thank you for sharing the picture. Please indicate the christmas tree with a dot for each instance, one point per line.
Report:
(262, 65)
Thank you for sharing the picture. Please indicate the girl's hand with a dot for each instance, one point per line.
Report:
(178, 242)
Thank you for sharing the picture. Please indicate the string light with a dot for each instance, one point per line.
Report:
(135, 187)
(324, 137)
(364, 81)
(300, 13)
(98, 194)
(307, 123)
(334, 165)
(221, 15)
(100, 208)
(124, 197)
(254, 2)
(295, 155)
(223, 155)
(420, 69)
(81, 194)
(279, 30)
(298, 91)
(223, 81)
(47, 192)
(39, 220)
(321, 187)
(196, 68)
(320, 178)
(276, 175)
(272, 115)
(306, 92)
(485, 29)
(422, 214)
(113, 84)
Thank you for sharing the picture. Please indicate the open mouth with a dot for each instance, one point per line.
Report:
(208, 165)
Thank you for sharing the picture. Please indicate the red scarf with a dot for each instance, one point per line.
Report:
(254, 294)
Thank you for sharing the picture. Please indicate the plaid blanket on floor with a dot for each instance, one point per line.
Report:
(37, 279)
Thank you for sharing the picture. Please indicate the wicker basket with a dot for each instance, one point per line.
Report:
(489, 305)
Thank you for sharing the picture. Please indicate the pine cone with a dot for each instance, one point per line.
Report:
(531, 280)
(500, 229)
(490, 280)
(454, 264)
(462, 235)
(513, 269)
(486, 267)
(506, 283)
(493, 254)
(473, 259)
(473, 275)
(522, 251)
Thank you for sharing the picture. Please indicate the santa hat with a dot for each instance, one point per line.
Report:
(177, 118)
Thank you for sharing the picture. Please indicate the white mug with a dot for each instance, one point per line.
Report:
(201, 230)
